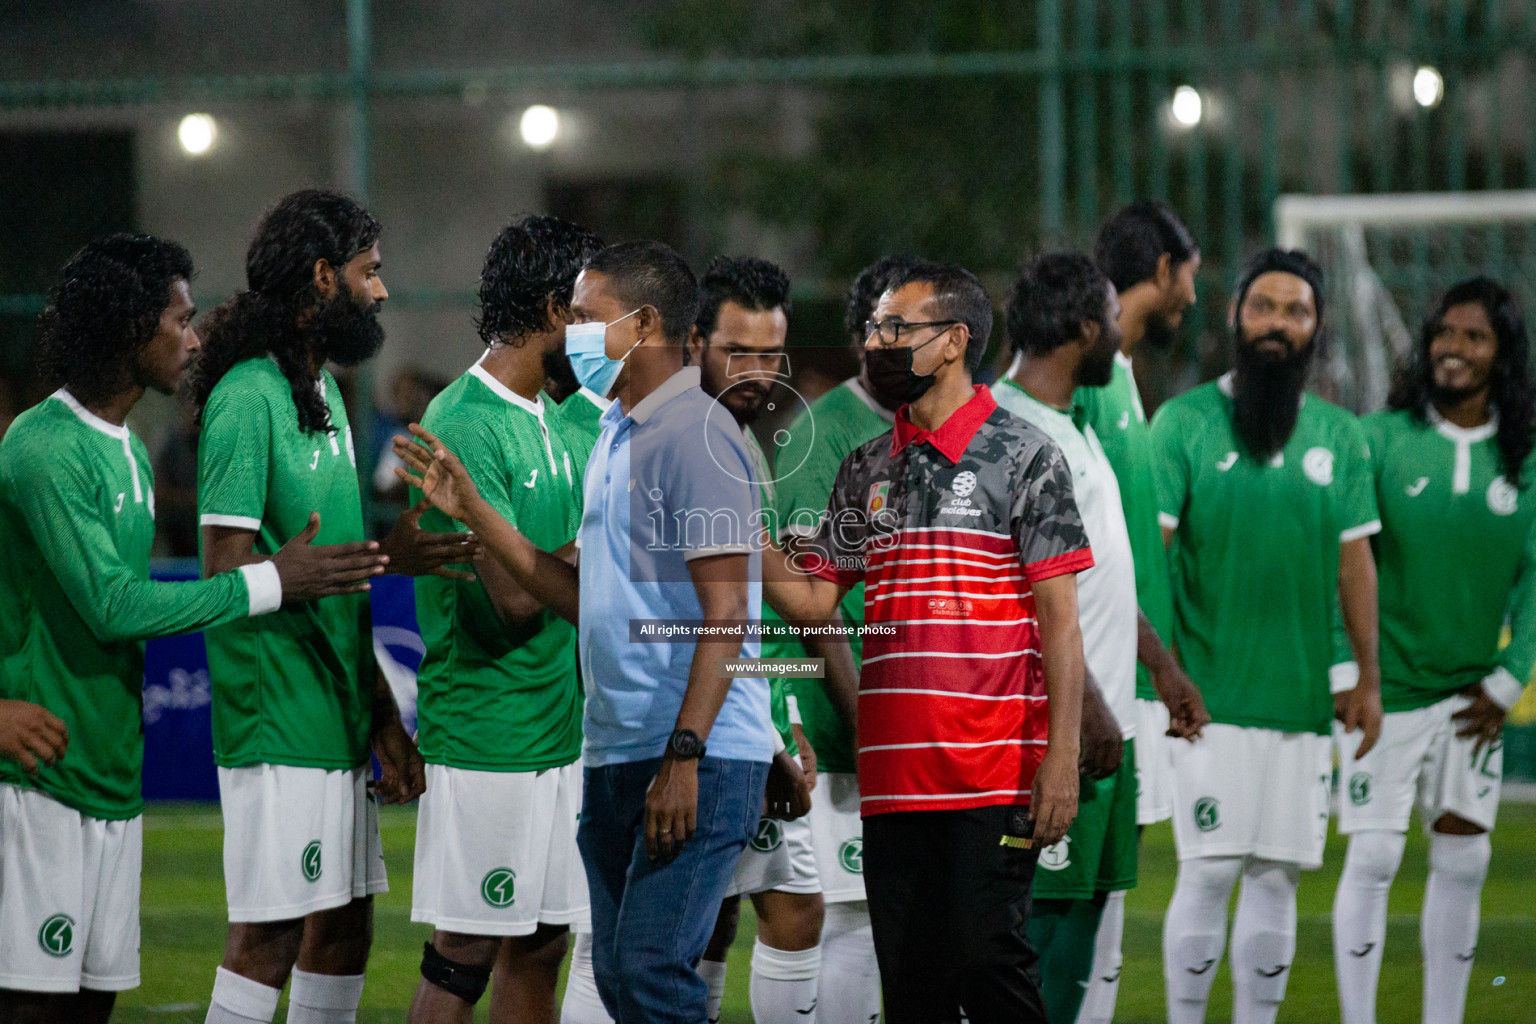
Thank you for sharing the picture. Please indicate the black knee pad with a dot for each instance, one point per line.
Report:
(463, 980)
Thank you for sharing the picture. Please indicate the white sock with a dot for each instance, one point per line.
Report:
(1458, 865)
(850, 976)
(783, 987)
(324, 998)
(1104, 982)
(582, 1004)
(1194, 933)
(239, 1000)
(1360, 920)
(1263, 940)
(713, 973)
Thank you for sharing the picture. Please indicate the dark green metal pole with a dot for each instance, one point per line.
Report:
(359, 174)
(1053, 155)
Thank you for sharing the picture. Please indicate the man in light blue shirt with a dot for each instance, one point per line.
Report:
(666, 540)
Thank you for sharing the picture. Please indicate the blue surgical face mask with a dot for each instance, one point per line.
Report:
(587, 346)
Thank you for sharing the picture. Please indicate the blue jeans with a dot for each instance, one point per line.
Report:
(651, 919)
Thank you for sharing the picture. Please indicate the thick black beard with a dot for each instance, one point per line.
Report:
(1158, 333)
(349, 334)
(1266, 394)
(559, 378)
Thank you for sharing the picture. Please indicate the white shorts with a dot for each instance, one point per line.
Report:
(1154, 763)
(298, 840)
(1418, 761)
(1252, 792)
(496, 851)
(837, 836)
(779, 857)
(69, 896)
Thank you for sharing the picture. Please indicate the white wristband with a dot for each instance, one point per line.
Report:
(1503, 688)
(263, 586)
(779, 746)
(794, 709)
(1343, 677)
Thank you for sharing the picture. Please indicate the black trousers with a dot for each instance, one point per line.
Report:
(949, 901)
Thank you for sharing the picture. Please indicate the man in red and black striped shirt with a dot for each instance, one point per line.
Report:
(962, 523)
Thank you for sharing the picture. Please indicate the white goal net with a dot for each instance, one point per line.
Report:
(1388, 258)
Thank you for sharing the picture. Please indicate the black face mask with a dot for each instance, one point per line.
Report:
(890, 374)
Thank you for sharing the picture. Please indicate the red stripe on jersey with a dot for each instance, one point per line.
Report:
(1060, 565)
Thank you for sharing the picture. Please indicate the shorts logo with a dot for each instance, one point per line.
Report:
(851, 856)
(1055, 857)
(57, 935)
(1207, 816)
(1318, 465)
(1360, 788)
(497, 887)
(309, 861)
(770, 834)
(963, 484)
(879, 494)
(1502, 498)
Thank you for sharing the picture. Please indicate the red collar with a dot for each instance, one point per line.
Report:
(954, 434)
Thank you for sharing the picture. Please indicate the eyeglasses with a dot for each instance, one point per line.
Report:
(890, 330)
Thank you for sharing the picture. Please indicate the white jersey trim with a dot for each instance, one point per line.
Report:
(1363, 530)
(951, 654)
(264, 586)
(1167, 521)
(237, 522)
(946, 796)
(957, 695)
(936, 744)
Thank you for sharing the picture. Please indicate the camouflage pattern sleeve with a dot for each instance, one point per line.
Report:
(836, 551)
(1044, 519)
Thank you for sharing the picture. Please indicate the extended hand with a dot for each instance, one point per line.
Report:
(1360, 708)
(437, 473)
(30, 733)
(402, 774)
(413, 551)
(310, 570)
(789, 793)
(1482, 718)
(671, 808)
(1186, 708)
(1053, 802)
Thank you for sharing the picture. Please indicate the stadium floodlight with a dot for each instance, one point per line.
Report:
(1428, 86)
(539, 126)
(1187, 106)
(196, 133)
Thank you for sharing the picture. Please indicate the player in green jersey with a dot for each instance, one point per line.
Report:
(575, 412)
(298, 700)
(77, 500)
(1456, 485)
(1150, 257)
(1265, 493)
(499, 702)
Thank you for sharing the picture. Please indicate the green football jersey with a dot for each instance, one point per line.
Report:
(779, 688)
(575, 420)
(1117, 417)
(77, 504)
(1455, 555)
(490, 697)
(295, 687)
(806, 467)
(1255, 556)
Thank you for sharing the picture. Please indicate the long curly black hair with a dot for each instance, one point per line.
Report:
(104, 311)
(532, 260)
(1510, 389)
(303, 228)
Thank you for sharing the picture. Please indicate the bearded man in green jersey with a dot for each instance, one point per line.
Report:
(1265, 494)
(1457, 557)
(77, 503)
(499, 702)
(297, 700)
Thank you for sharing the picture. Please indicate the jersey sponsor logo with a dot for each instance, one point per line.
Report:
(879, 496)
(1207, 814)
(1503, 499)
(309, 861)
(1317, 463)
(118, 506)
(498, 887)
(960, 507)
(1416, 488)
(533, 478)
(1056, 857)
(950, 607)
(851, 855)
(963, 484)
(1360, 788)
(57, 935)
(351, 451)
(770, 835)
(1227, 461)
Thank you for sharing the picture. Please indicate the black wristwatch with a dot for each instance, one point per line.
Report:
(685, 745)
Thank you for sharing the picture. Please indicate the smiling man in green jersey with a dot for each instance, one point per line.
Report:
(1265, 493)
(499, 703)
(297, 698)
(1456, 556)
(77, 501)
